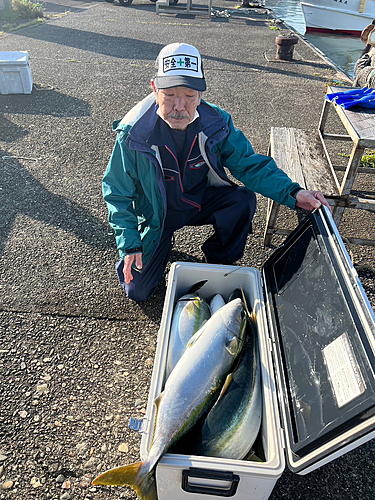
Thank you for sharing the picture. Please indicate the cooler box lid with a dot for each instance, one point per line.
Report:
(13, 57)
(323, 329)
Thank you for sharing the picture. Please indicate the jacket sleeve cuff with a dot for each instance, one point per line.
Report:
(291, 201)
(130, 251)
(295, 191)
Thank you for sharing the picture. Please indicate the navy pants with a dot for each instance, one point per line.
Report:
(229, 209)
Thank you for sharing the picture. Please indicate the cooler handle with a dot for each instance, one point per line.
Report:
(210, 474)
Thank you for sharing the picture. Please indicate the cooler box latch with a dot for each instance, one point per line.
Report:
(138, 425)
(227, 490)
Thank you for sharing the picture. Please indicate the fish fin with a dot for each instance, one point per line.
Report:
(252, 322)
(135, 475)
(232, 345)
(190, 309)
(246, 306)
(224, 389)
(195, 337)
(197, 286)
(158, 400)
(253, 458)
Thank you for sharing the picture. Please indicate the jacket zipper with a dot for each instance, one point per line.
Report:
(189, 202)
(191, 149)
(154, 159)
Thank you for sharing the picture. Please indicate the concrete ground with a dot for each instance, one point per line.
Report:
(76, 356)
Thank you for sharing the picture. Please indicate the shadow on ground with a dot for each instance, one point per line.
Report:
(44, 100)
(22, 193)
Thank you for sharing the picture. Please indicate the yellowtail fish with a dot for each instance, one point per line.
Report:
(233, 423)
(216, 303)
(189, 315)
(189, 393)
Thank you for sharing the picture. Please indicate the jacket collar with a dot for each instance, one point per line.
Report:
(136, 113)
(142, 123)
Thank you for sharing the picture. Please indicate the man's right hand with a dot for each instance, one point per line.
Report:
(128, 261)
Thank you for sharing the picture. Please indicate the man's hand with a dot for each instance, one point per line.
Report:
(309, 200)
(128, 261)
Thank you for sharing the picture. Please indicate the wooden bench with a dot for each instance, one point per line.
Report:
(301, 156)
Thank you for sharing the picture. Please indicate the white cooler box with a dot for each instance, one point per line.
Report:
(15, 73)
(316, 339)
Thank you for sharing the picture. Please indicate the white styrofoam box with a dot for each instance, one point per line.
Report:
(15, 73)
(257, 479)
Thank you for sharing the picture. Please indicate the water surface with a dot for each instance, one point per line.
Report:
(343, 50)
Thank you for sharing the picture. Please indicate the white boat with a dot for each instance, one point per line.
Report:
(339, 16)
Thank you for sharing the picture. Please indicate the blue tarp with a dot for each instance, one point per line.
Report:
(364, 97)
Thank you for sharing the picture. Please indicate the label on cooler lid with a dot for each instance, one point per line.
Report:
(344, 372)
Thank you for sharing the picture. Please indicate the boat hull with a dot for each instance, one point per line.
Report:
(339, 17)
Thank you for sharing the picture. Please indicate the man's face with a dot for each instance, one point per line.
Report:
(177, 105)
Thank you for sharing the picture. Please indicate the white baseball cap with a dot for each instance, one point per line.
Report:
(179, 65)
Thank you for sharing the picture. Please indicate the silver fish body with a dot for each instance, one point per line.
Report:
(233, 423)
(189, 393)
(189, 315)
(216, 303)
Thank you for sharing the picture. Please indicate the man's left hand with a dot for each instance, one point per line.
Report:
(309, 200)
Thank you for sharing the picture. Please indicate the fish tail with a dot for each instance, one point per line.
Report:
(253, 329)
(135, 475)
(253, 320)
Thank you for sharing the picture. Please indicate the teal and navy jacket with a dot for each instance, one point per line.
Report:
(134, 186)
